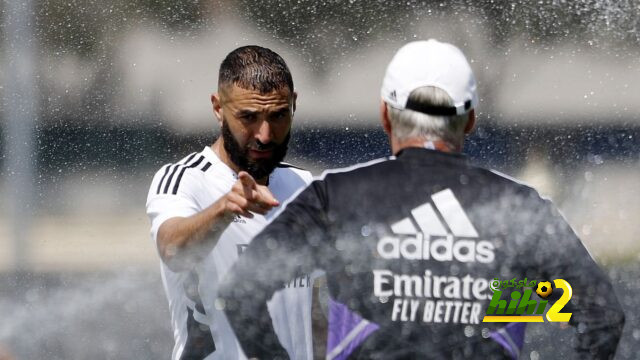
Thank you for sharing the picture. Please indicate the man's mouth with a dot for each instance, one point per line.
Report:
(260, 154)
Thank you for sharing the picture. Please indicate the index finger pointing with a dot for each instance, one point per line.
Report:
(248, 184)
(266, 197)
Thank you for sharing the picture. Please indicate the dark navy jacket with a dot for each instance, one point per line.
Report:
(412, 247)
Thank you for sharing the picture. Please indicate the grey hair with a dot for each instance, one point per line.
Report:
(412, 124)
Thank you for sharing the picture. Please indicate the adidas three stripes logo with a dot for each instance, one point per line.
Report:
(173, 173)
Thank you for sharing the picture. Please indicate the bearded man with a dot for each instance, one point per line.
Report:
(205, 209)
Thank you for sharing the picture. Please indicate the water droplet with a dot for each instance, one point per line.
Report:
(219, 304)
(588, 176)
(469, 331)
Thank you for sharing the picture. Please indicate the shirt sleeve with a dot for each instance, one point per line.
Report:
(596, 313)
(162, 206)
(285, 249)
(307, 177)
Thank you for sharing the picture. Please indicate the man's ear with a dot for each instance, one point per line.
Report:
(384, 117)
(295, 97)
(217, 106)
(471, 122)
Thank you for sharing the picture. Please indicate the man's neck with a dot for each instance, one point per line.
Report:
(436, 144)
(218, 149)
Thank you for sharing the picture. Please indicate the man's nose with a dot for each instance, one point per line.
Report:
(263, 133)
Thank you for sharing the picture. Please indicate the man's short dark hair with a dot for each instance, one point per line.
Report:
(255, 68)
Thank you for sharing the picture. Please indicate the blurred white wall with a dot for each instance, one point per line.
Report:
(165, 76)
(570, 85)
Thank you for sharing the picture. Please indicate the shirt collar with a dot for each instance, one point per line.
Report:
(422, 154)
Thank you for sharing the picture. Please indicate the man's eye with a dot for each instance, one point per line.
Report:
(247, 117)
(280, 115)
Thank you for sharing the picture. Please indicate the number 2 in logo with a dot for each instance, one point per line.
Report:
(554, 314)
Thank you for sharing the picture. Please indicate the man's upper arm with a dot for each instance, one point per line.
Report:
(596, 312)
(162, 205)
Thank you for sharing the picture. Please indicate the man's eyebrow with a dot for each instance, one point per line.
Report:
(281, 110)
(245, 112)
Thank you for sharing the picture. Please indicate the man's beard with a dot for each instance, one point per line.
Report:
(259, 168)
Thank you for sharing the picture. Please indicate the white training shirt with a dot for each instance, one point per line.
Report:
(188, 187)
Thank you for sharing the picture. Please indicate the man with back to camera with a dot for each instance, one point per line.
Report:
(410, 244)
(205, 209)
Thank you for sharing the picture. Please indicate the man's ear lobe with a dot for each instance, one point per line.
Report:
(217, 106)
(384, 117)
(471, 123)
(295, 98)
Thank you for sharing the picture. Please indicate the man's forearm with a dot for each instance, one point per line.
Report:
(183, 241)
(599, 318)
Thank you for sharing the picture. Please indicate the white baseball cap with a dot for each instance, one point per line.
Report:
(430, 63)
